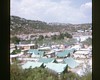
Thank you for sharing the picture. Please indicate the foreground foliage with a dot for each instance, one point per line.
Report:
(17, 73)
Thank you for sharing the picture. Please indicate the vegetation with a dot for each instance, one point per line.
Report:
(17, 73)
(41, 37)
(15, 40)
(68, 35)
(87, 76)
(49, 42)
(16, 51)
(88, 41)
(22, 26)
(61, 36)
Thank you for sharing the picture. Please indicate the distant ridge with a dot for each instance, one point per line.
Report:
(20, 25)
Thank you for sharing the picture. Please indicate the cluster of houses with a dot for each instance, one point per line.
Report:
(55, 58)
(49, 34)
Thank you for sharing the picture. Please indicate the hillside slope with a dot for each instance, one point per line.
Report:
(23, 26)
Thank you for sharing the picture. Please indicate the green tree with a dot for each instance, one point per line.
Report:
(36, 45)
(54, 37)
(61, 36)
(68, 35)
(15, 40)
(16, 73)
(46, 36)
(16, 51)
(69, 76)
(41, 37)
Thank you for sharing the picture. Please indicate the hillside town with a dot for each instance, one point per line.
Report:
(58, 58)
(51, 40)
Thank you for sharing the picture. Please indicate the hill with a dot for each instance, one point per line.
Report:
(20, 25)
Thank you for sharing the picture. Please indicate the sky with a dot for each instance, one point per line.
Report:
(62, 11)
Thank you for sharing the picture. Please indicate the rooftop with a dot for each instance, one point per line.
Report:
(71, 62)
(31, 64)
(63, 53)
(35, 51)
(46, 60)
(25, 45)
(57, 67)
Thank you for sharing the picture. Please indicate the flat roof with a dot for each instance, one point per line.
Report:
(25, 45)
(82, 52)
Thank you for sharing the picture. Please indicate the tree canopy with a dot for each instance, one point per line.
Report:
(61, 36)
(15, 40)
(16, 51)
(17, 73)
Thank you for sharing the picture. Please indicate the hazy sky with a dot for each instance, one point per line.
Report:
(63, 11)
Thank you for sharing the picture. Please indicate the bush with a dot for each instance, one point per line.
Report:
(88, 41)
(15, 40)
(16, 51)
(17, 73)
(68, 35)
(41, 37)
(88, 76)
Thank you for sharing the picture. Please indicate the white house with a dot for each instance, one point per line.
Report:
(77, 47)
(15, 56)
(25, 46)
